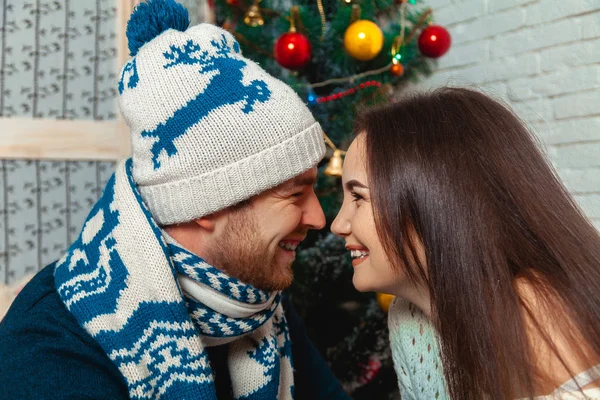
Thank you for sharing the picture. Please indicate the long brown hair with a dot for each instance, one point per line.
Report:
(461, 171)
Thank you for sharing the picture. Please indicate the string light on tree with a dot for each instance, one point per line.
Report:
(312, 97)
(292, 50)
(434, 41)
(397, 69)
(347, 92)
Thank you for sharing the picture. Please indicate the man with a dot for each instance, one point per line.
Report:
(173, 287)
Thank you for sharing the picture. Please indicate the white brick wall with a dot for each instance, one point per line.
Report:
(543, 58)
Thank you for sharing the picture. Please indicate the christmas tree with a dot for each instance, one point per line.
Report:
(340, 56)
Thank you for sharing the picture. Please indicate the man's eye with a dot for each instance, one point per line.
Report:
(297, 194)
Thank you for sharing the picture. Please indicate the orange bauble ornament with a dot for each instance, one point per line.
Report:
(397, 69)
(385, 300)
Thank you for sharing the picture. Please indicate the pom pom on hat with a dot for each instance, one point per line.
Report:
(152, 18)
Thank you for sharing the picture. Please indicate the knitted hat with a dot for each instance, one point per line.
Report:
(209, 128)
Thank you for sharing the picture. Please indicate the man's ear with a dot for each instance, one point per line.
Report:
(207, 222)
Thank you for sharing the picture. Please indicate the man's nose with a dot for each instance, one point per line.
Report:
(313, 216)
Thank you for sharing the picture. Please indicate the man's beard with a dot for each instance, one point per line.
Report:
(241, 254)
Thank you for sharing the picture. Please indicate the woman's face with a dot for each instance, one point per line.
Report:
(355, 223)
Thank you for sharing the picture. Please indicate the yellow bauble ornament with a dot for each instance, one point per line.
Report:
(363, 40)
(384, 300)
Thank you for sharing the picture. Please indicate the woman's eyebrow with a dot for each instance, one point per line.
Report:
(351, 184)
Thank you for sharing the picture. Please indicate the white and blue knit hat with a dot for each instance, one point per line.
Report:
(209, 128)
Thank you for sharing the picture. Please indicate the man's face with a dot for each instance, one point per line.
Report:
(258, 242)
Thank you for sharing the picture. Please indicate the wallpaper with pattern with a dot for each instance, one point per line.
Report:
(58, 60)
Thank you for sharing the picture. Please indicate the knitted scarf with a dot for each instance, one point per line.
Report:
(154, 307)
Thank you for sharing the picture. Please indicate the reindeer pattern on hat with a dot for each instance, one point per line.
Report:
(226, 87)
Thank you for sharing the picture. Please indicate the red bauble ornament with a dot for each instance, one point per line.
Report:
(370, 370)
(292, 50)
(434, 41)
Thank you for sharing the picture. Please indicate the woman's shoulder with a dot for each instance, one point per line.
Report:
(578, 395)
(557, 348)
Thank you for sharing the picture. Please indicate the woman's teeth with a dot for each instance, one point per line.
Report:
(358, 254)
(288, 246)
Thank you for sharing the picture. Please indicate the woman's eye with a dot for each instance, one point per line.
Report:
(356, 196)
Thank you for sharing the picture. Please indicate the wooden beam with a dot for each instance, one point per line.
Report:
(42, 139)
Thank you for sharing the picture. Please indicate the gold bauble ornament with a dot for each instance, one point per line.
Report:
(363, 40)
(384, 300)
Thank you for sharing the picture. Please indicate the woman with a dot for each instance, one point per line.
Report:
(450, 206)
